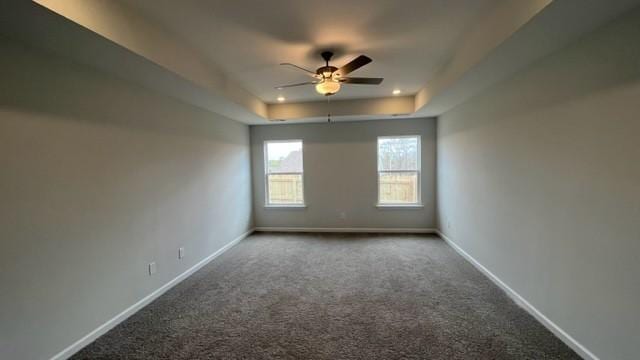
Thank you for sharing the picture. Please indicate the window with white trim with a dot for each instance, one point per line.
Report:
(399, 170)
(284, 173)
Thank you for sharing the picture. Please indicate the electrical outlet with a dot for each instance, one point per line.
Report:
(448, 224)
(180, 253)
(152, 268)
(343, 215)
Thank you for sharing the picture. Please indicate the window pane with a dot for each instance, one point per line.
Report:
(284, 157)
(285, 189)
(398, 153)
(398, 188)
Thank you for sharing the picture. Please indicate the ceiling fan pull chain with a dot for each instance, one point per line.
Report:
(328, 110)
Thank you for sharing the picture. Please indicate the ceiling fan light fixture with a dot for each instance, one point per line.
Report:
(328, 79)
(328, 87)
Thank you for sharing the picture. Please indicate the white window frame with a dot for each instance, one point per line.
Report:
(418, 203)
(266, 175)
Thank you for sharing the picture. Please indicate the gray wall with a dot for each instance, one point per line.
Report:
(341, 175)
(539, 180)
(97, 179)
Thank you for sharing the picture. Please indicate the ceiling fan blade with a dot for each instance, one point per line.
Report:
(354, 64)
(361, 80)
(309, 72)
(297, 84)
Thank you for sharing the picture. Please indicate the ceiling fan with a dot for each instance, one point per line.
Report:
(328, 79)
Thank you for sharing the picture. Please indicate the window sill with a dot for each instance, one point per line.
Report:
(400, 206)
(285, 206)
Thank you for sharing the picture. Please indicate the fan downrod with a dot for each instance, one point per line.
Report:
(326, 55)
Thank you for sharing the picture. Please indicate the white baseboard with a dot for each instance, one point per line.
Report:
(102, 329)
(347, 230)
(555, 329)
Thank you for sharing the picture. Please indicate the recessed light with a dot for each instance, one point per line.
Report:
(281, 98)
(396, 92)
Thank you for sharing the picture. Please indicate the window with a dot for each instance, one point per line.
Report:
(283, 172)
(399, 170)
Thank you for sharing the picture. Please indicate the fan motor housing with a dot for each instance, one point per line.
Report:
(326, 69)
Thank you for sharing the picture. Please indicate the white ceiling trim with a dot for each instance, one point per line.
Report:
(481, 39)
(381, 107)
(119, 24)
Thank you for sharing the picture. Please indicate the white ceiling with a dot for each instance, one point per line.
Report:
(222, 56)
(408, 40)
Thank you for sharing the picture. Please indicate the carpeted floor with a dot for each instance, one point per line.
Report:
(332, 296)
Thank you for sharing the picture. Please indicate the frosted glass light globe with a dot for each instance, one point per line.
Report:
(328, 87)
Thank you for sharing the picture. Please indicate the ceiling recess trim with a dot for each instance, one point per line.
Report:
(508, 38)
